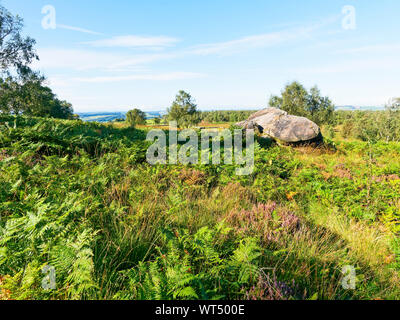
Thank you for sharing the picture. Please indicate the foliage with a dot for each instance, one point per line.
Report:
(15, 51)
(135, 116)
(232, 116)
(196, 267)
(21, 89)
(81, 198)
(296, 100)
(371, 125)
(31, 97)
(183, 110)
(157, 120)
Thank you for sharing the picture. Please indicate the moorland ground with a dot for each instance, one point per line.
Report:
(80, 197)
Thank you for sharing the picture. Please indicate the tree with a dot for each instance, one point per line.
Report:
(296, 100)
(16, 51)
(21, 89)
(31, 97)
(135, 117)
(157, 120)
(183, 110)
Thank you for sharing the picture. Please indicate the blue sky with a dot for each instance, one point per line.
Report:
(115, 55)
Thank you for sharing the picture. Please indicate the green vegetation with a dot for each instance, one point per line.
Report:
(157, 120)
(22, 91)
(81, 198)
(232, 116)
(371, 125)
(183, 110)
(16, 51)
(135, 117)
(31, 97)
(297, 101)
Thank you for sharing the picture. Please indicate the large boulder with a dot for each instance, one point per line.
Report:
(281, 126)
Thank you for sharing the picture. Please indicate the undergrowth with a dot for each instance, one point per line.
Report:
(79, 197)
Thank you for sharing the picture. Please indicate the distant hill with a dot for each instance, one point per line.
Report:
(111, 116)
(354, 108)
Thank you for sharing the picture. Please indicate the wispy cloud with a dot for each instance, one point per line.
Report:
(93, 62)
(381, 48)
(225, 48)
(66, 27)
(75, 59)
(132, 41)
(87, 59)
(262, 40)
(140, 59)
(352, 66)
(245, 43)
(153, 77)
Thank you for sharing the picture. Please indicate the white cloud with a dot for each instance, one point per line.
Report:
(153, 77)
(352, 66)
(63, 26)
(262, 40)
(97, 66)
(140, 59)
(58, 81)
(132, 41)
(85, 60)
(79, 60)
(250, 42)
(382, 48)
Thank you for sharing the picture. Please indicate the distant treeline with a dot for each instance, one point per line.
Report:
(370, 125)
(225, 116)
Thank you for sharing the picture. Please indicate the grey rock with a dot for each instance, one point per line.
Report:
(281, 126)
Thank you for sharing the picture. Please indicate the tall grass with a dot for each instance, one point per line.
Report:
(81, 198)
